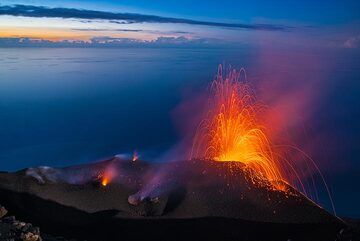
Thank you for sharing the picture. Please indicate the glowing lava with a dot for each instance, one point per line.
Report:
(108, 175)
(104, 181)
(231, 131)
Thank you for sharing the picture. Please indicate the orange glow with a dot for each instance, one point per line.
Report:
(60, 34)
(52, 34)
(135, 156)
(104, 182)
(231, 131)
(108, 175)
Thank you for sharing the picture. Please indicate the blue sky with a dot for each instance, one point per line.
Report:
(318, 12)
(318, 23)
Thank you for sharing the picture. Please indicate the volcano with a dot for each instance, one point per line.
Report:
(192, 195)
(234, 185)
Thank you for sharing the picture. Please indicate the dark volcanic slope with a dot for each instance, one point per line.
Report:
(188, 189)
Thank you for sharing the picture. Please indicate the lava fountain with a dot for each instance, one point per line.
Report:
(232, 131)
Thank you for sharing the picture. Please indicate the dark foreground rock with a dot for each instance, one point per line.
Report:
(12, 229)
(351, 231)
(106, 226)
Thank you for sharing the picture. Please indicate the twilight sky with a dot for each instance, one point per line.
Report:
(306, 23)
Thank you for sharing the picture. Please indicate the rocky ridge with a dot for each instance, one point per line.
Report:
(12, 229)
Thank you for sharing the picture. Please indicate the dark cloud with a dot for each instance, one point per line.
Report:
(121, 18)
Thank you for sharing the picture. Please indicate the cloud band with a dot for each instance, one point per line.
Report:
(41, 11)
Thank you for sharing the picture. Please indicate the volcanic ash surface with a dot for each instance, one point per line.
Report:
(184, 189)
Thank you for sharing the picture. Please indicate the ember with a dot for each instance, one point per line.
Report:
(231, 131)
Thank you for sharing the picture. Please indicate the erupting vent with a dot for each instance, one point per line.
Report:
(104, 181)
(232, 131)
